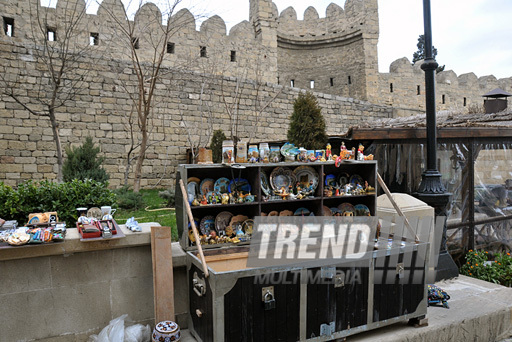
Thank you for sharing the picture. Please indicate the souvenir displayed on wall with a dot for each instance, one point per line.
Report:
(281, 177)
(221, 185)
(265, 187)
(239, 184)
(346, 207)
(207, 224)
(361, 210)
(222, 221)
(307, 176)
(206, 186)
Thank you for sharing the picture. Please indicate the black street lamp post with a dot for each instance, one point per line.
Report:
(431, 189)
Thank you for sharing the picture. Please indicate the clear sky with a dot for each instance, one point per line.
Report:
(470, 35)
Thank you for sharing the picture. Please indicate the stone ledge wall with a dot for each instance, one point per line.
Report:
(101, 110)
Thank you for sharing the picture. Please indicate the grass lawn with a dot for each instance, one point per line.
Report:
(166, 217)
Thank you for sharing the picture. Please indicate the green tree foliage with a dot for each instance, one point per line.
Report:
(420, 54)
(307, 124)
(83, 162)
(216, 145)
(64, 198)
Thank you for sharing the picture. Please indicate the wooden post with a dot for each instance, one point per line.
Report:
(163, 280)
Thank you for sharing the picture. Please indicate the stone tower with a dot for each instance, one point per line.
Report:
(263, 17)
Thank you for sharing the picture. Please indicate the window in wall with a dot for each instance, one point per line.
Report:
(418, 90)
(349, 80)
(332, 81)
(465, 102)
(9, 26)
(444, 99)
(391, 87)
(233, 56)
(94, 38)
(51, 35)
(202, 51)
(170, 47)
(135, 42)
(312, 84)
(292, 83)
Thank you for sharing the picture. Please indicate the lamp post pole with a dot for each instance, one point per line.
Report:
(431, 189)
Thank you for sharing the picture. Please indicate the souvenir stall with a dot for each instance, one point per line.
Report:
(475, 159)
(229, 301)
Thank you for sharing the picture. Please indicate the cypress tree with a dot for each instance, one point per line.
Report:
(307, 124)
(83, 163)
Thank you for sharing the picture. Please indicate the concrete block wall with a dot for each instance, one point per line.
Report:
(70, 297)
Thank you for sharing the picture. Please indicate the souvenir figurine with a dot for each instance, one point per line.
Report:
(337, 192)
(353, 154)
(343, 147)
(231, 198)
(225, 198)
(195, 202)
(328, 153)
(360, 154)
(204, 201)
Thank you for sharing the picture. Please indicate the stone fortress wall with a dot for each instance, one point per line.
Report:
(336, 54)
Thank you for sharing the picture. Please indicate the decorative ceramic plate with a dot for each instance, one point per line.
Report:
(301, 212)
(336, 212)
(193, 179)
(343, 179)
(222, 221)
(206, 186)
(286, 213)
(239, 184)
(221, 185)
(265, 187)
(207, 224)
(281, 177)
(247, 226)
(326, 211)
(306, 174)
(330, 180)
(356, 179)
(289, 150)
(344, 207)
(361, 210)
(94, 212)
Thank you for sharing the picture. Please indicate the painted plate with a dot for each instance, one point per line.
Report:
(281, 177)
(356, 179)
(240, 184)
(326, 211)
(222, 221)
(221, 185)
(361, 210)
(206, 186)
(247, 226)
(301, 212)
(207, 224)
(306, 174)
(330, 180)
(336, 212)
(343, 179)
(344, 207)
(265, 187)
(193, 179)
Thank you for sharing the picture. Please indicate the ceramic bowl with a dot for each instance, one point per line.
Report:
(166, 331)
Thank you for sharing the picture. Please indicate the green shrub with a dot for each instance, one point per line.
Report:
(64, 198)
(127, 199)
(83, 162)
(496, 270)
(216, 145)
(307, 124)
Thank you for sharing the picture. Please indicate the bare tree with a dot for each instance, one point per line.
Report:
(58, 45)
(147, 40)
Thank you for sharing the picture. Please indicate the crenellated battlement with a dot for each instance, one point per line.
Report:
(356, 16)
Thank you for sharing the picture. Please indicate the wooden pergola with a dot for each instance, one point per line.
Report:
(471, 131)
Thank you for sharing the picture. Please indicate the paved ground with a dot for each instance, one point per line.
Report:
(479, 311)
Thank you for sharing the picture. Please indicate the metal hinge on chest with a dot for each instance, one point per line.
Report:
(199, 285)
(327, 329)
(267, 297)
